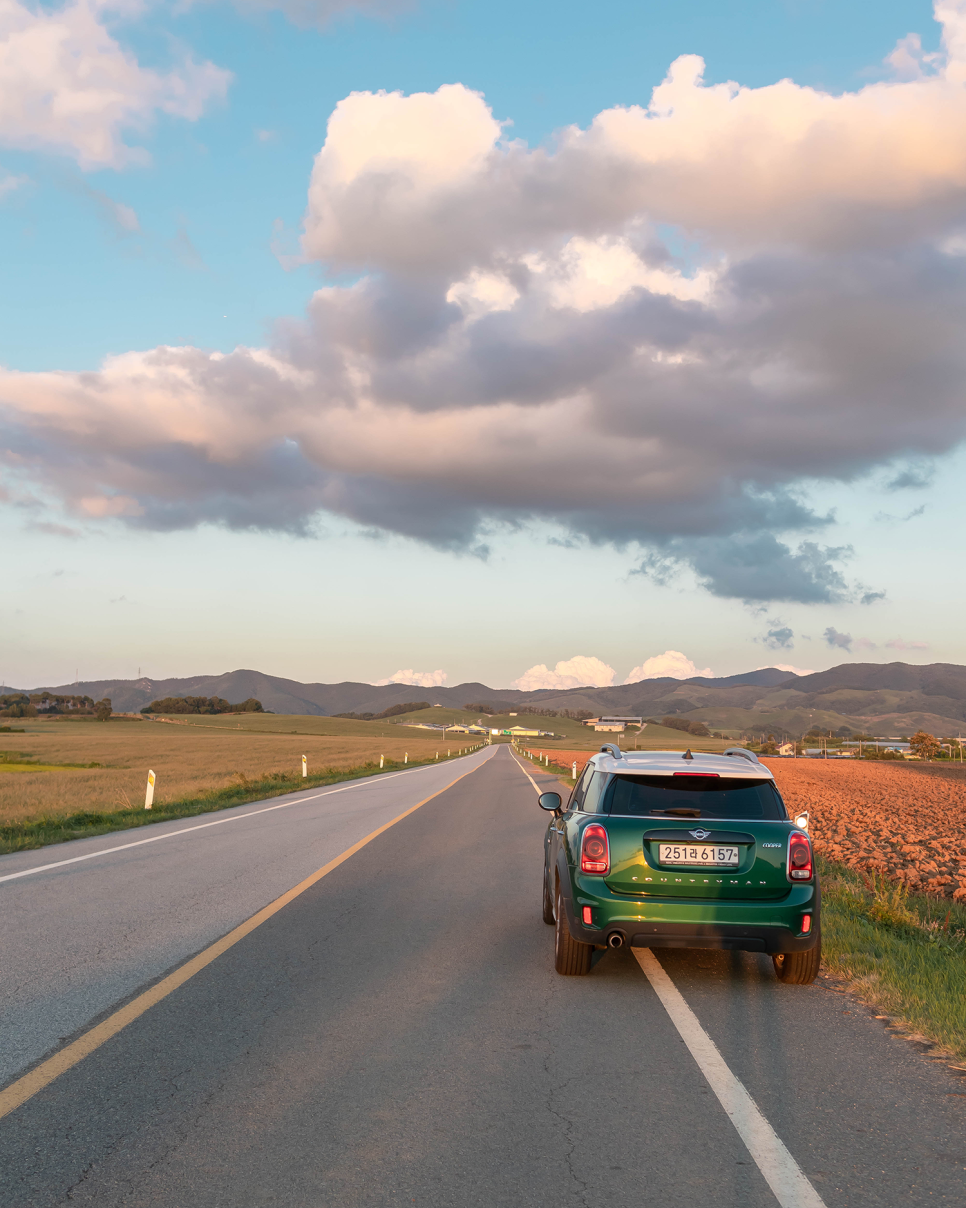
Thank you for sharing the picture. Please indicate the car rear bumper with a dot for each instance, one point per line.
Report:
(771, 927)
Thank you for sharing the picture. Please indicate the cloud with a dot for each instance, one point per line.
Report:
(9, 184)
(68, 86)
(755, 567)
(912, 478)
(418, 679)
(838, 641)
(119, 218)
(779, 637)
(671, 663)
(899, 644)
(789, 668)
(508, 338)
(581, 671)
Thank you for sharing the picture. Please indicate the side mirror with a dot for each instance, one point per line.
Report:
(801, 820)
(549, 802)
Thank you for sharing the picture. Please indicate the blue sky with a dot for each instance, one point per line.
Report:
(207, 241)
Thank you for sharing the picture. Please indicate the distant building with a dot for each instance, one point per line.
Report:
(613, 725)
(786, 748)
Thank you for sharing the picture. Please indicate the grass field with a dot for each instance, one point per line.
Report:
(209, 755)
(904, 953)
(569, 734)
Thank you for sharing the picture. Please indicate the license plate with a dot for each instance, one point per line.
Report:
(698, 855)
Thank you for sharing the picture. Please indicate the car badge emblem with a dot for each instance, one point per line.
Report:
(699, 833)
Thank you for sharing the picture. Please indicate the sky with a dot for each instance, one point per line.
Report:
(534, 345)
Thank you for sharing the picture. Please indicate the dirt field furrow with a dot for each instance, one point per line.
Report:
(879, 817)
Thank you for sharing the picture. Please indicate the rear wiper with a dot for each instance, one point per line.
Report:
(681, 812)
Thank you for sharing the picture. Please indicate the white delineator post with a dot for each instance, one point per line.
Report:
(406, 757)
(149, 792)
(305, 766)
(575, 769)
(382, 761)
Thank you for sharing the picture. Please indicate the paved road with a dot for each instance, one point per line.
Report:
(396, 1035)
(79, 938)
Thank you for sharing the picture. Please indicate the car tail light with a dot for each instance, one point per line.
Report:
(806, 924)
(588, 916)
(799, 858)
(594, 851)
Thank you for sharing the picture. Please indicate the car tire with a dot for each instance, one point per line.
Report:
(548, 915)
(570, 957)
(799, 968)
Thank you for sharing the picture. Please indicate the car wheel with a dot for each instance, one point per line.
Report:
(799, 968)
(569, 955)
(548, 916)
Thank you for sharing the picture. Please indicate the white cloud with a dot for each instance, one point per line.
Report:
(581, 671)
(790, 669)
(10, 183)
(67, 85)
(518, 343)
(671, 663)
(418, 679)
(899, 644)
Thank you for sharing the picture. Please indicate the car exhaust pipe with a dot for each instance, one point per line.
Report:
(615, 940)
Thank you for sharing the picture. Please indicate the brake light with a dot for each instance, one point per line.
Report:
(799, 858)
(594, 850)
(703, 775)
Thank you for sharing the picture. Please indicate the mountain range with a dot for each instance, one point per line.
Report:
(880, 698)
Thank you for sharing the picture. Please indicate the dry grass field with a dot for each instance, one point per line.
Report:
(189, 760)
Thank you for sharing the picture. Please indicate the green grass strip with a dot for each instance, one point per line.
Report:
(59, 828)
(904, 953)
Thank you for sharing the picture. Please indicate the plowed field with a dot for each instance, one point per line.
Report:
(887, 818)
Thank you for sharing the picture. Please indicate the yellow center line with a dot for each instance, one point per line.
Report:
(42, 1075)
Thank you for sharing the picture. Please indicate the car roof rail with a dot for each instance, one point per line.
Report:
(611, 748)
(749, 755)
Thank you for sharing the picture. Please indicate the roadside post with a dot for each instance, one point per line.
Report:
(575, 769)
(406, 757)
(149, 791)
(305, 766)
(382, 761)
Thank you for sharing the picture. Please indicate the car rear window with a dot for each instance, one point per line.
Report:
(679, 796)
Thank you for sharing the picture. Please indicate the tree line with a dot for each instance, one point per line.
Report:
(48, 704)
(202, 704)
(408, 707)
(502, 709)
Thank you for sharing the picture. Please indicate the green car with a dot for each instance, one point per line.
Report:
(662, 850)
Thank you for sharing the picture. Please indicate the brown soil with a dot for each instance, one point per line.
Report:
(903, 822)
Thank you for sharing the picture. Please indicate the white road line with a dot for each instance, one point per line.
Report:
(107, 851)
(526, 773)
(782, 1173)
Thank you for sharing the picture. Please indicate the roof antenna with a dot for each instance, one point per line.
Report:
(687, 754)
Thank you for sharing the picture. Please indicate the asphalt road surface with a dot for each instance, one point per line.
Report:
(396, 1035)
